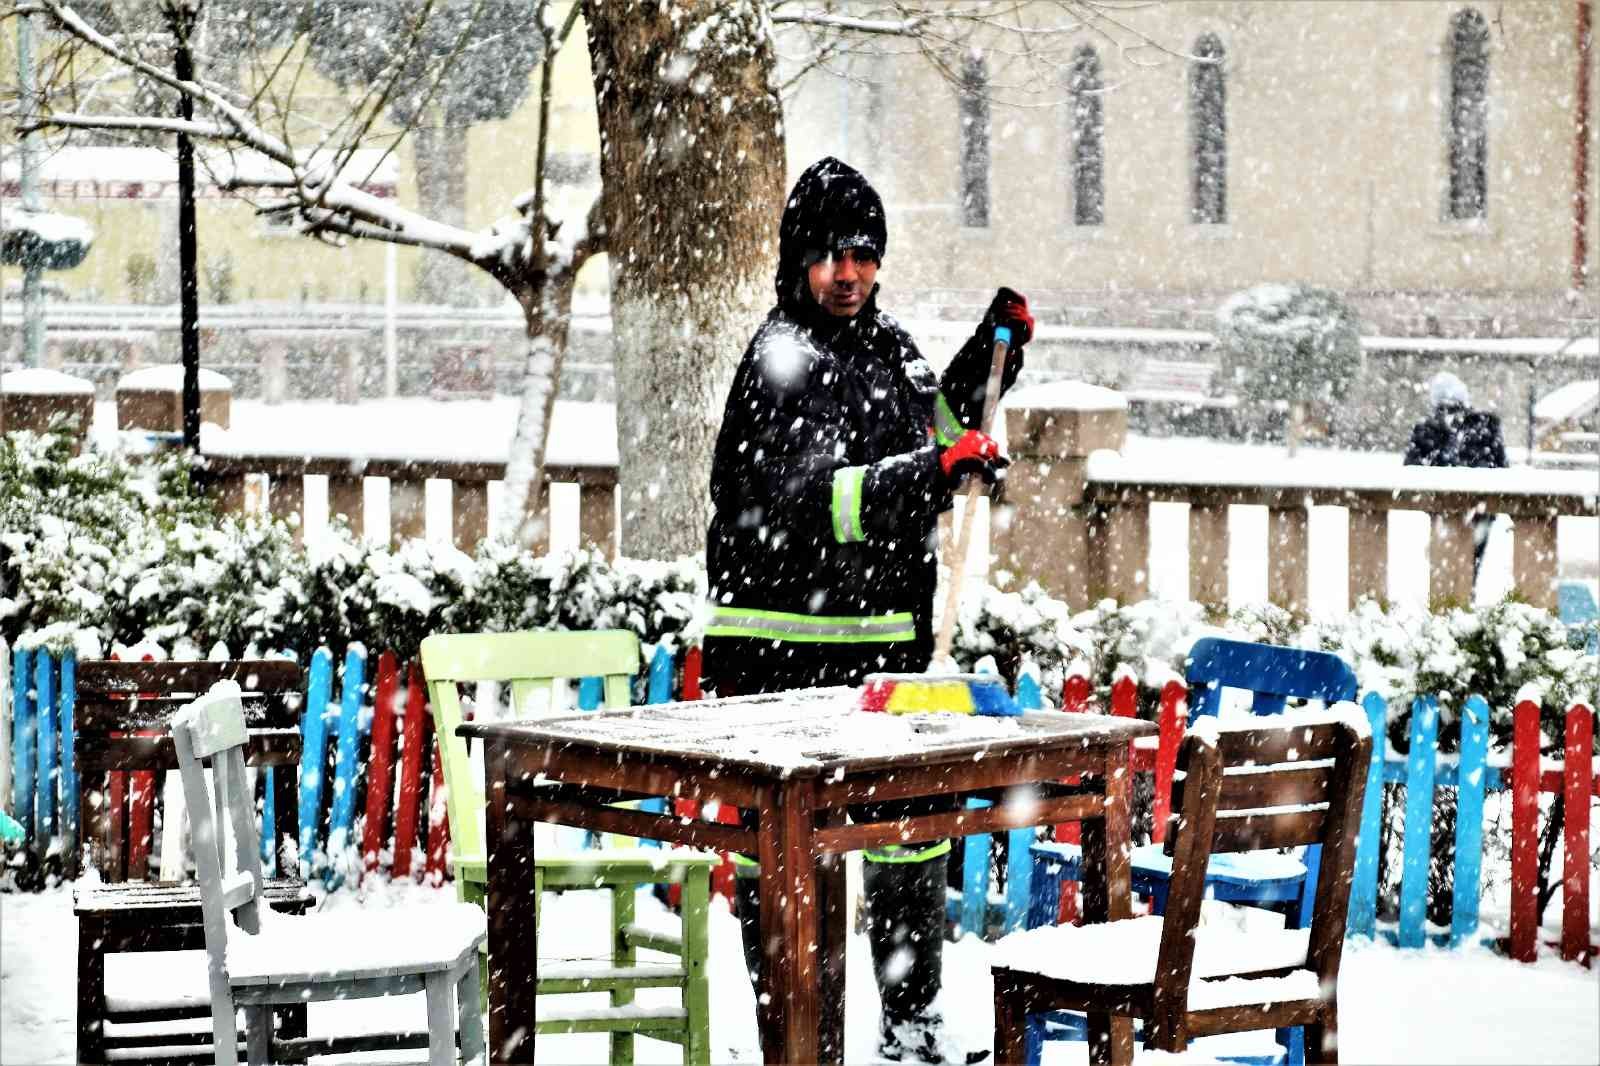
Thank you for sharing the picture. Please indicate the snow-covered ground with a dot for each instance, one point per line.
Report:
(1432, 1005)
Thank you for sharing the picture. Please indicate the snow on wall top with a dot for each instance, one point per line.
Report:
(39, 381)
(1571, 400)
(169, 378)
(1067, 395)
(1311, 471)
(412, 428)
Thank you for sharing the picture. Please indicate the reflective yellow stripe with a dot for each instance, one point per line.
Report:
(947, 428)
(907, 853)
(847, 504)
(729, 621)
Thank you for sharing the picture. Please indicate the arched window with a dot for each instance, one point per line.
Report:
(1469, 115)
(1088, 146)
(1208, 131)
(974, 141)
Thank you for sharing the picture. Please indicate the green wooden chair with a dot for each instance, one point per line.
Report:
(532, 664)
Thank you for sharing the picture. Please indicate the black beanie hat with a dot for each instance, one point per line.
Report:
(831, 207)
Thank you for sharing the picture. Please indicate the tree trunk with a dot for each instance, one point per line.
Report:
(548, 312)
(692, 162)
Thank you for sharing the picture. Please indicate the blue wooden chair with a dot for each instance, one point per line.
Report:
(1268, 879)
(1575, 605)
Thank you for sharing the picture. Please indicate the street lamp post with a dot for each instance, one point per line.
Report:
(181, 15)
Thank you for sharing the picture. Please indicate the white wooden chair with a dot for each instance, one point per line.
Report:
(259, 959)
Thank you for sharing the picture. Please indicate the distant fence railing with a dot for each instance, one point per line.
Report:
(285, 475)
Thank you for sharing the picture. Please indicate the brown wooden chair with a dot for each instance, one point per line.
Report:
(121, 717)
(1297, 781)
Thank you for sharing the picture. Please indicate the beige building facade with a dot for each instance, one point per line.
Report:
(1336, 146)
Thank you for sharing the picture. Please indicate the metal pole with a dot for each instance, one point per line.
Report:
(1580, 157)
(32, 273)
(182, 18)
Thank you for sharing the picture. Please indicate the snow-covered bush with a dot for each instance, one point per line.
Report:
(1018, 629)
(1295, 342)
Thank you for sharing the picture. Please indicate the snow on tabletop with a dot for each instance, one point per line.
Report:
(169, 378)
(366, 940)
(1124, 952)
(788, 731)
(156, 980)
(1066, 395)
(40, 381)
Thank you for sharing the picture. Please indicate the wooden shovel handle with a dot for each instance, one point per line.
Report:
(957, 563)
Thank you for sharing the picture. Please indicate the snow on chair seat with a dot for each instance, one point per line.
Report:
(1124, 952)
(257, 960)
(354, 944)
(1280, 782)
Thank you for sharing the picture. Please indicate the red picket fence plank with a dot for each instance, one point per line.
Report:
(438, 820)
(1125, 697)
(1174, 713)
(691, 675)
(1075, 693)
(380, 768)
(405, 811)
(117, 824)
(141, 821)
(1578, 767)
(1524, 831)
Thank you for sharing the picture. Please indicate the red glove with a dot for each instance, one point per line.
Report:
(1010, 308)
(974, 452)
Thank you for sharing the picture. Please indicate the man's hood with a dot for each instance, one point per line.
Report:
(831, 206)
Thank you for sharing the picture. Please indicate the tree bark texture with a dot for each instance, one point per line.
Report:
(692, 162)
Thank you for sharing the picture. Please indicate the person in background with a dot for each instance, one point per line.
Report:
(1454, 434)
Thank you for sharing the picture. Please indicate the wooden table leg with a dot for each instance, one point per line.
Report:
(1108, 890)
(513, 920)
(790, 937)
(835, 921)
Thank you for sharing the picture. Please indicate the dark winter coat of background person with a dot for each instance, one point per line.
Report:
(1454, 434)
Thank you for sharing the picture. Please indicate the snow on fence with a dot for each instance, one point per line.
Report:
(371, 796)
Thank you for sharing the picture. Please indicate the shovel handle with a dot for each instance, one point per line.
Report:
(957, 563)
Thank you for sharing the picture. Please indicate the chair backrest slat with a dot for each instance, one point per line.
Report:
(116, 701)
(1271, 674)
(221, 813)
(1270, 764)
(530, 662)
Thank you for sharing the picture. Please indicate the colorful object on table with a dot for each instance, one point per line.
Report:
(921, 693)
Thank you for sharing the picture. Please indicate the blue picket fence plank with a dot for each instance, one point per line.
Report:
(69, 741)
(1019, 878)
(341, 817)
(1028, 696)
(24, 742)
(659, 688)
(1363, 913)
(44, 783)
(591, 693)
(313, 753)
(1469, 818)
(975, 878)
(1418, 832)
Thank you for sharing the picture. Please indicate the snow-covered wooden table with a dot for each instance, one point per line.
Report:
(808, 762)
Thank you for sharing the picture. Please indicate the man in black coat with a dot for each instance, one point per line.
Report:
(1456, 435)
(838, 449)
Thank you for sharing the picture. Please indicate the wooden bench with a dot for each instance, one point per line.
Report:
(121, 718)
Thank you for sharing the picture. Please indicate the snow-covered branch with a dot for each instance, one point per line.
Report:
(145, 123)
(828, 20)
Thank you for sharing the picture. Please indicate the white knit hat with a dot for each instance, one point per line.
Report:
(1446, 387)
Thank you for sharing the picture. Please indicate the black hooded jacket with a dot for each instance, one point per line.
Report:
(1456, 435)
(825, 483)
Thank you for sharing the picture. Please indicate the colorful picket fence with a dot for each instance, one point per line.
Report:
(371, 795)
(1422, 770)
(371, 788)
